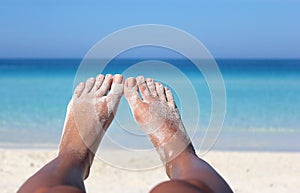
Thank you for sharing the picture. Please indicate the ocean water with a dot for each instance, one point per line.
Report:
(262, 100)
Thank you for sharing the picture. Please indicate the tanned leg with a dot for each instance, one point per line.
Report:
(89, 114)
(157, 115)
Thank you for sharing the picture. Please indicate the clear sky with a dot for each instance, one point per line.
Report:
(228, 28)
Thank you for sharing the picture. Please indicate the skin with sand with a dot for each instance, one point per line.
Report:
(89, 114)
(157, 115)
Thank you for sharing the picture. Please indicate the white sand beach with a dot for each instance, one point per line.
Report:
(245, 171)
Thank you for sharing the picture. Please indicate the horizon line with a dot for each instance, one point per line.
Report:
(170, 58)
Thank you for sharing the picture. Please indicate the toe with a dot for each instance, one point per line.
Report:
(89, 85)
(105, 86)
(118, 79)
(117, 85)
(170, 97)
(98, 82)
(131, 92)
(115, 93)
(143, 87)
(78, 90)
(160, 91)
(151, 87)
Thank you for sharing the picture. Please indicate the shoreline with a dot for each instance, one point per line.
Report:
(226, 141)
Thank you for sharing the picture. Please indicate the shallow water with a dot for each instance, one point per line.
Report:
(263, 98)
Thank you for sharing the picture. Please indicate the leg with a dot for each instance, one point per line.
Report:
(89, 114)
(157, 115)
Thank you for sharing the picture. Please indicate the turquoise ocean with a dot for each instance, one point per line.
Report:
(262, 104)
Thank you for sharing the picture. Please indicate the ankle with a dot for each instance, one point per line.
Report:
(181, 159)
(81, 160)
(177, 144)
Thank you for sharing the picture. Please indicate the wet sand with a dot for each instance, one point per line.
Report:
(245, 171)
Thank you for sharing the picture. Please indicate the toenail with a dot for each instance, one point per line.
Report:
(100, 76)
(143, 88)
(118, 78)
(149, 80)
(131, 82)
(140, 78)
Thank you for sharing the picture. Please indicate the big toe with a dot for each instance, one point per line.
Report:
(117, 85)
(131, 92)
(116, 92)
(118, 79)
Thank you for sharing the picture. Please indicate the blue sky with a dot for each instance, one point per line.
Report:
(229, 29)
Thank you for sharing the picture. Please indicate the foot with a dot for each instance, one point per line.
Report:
(158, 116)
(89, 114)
